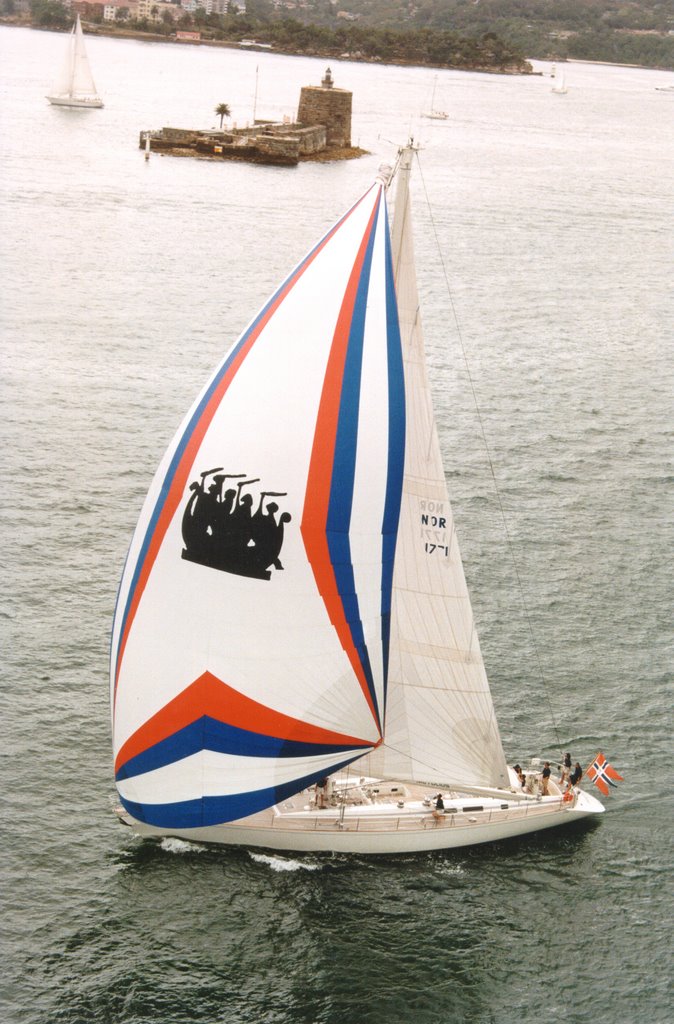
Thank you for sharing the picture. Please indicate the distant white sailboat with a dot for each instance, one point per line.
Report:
(560, 84)
(433, 113)
(244, 686)
(75, 85)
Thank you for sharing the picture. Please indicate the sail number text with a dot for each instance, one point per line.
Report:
(434, 528)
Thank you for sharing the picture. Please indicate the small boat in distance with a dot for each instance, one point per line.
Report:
(433, 114)
(294, 662)
(560, 84)
(75, 85)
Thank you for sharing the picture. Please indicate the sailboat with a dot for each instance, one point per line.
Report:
(560, 84)
(294, 661)
(433, 113)
(75, 85)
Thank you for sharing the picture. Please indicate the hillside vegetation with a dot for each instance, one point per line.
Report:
(441, 47)
(618, 31)
(493, 35)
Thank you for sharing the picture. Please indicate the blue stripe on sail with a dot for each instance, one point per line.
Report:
(216, 810)
(344, 468)
(198, 413)
(396, 452)
(208, 733)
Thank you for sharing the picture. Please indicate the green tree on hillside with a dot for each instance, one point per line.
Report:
(49, 14)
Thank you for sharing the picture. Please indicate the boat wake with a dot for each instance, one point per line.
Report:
(173, 845)
(283, 863)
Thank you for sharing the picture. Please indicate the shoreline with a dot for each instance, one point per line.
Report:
(325, 156)
(93, 29)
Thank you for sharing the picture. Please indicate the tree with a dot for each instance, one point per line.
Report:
(49, 14)
(222, 110)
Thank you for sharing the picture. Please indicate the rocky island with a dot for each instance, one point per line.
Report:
(322, 131)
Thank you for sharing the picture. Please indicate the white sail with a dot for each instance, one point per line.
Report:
(440, 722)
(560, 88)
(244, 667)
(433, 113)
(75, 86)
(63, 82)
(83, 81)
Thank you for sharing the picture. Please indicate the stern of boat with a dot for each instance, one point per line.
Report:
(585, 803)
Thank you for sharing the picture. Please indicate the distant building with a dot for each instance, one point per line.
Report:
(87, 10)
(120, 10)
(212, 6)
(153, 10)
(327, 106)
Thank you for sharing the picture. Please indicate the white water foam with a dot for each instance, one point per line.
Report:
(172, 845)
(282, 864)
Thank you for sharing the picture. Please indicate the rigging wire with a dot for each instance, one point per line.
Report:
(489, 456)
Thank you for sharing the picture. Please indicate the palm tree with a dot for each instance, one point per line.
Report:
(222, 110)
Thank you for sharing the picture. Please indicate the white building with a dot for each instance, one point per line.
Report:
(213, 6)
(119, 10)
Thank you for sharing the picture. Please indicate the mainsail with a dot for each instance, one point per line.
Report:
(250, 643)
(440, 723)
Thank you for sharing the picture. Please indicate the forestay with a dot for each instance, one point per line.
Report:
(250, 641)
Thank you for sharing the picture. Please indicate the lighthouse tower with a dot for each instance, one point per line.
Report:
(323, 104)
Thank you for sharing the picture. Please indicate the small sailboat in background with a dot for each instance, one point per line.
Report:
(560, 84)
(433, 113)
(75, 85)
(294, 603)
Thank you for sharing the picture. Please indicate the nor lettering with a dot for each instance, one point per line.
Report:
(438, 521)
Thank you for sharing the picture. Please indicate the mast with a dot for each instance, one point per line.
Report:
(440, 724)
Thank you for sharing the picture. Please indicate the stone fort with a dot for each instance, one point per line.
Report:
(323, 124)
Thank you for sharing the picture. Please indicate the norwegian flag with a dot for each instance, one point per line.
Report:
(603, 775)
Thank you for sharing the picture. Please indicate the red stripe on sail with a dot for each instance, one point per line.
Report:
(319, 480)
(210, 696)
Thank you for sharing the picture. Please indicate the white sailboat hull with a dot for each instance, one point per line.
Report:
(386, 829)
(75, 101)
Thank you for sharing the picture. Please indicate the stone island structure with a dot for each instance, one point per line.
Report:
(322, 131)
(327, 106)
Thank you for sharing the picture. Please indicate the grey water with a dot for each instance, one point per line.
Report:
(544, 238)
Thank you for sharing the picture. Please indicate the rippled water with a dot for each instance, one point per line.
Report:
(123, 282)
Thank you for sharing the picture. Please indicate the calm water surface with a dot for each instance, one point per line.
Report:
(123, 283)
